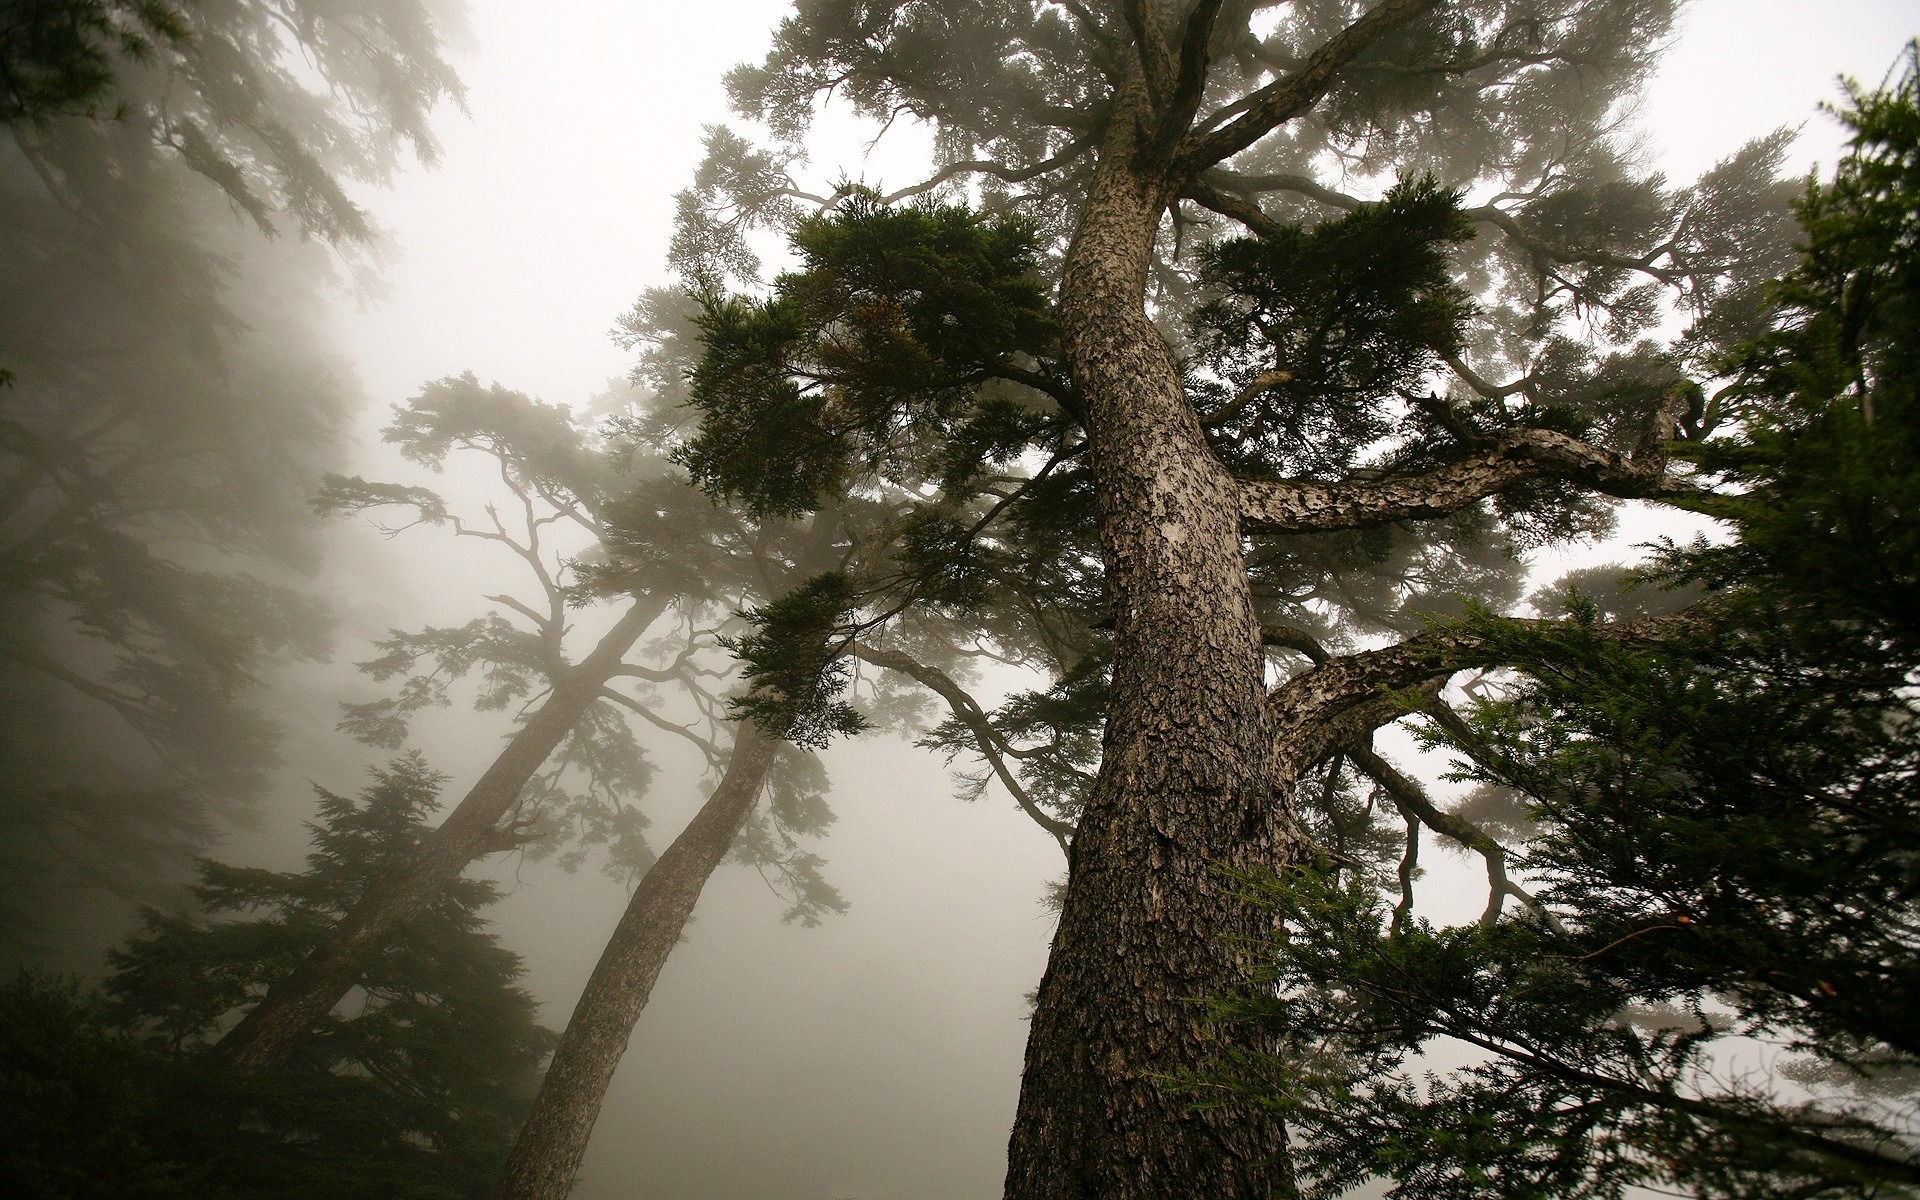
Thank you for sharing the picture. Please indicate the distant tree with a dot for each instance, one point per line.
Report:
(60, 57)
(169, 402)
(415, 1092)
(1433, 345)
(572, 772)
(1712, 984)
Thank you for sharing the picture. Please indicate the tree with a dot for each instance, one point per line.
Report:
(416, 1092)
(1722, 826)
(1246, 427)
(572, 769)
(168, 402)
(795, 652)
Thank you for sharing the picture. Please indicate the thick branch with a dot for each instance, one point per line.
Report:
(1156, 59)
(1518, 455)
(1333, 706)
(1183, 101)
(1235, 208)
(1284, 99)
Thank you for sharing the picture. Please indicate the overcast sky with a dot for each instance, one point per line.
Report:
(877, 1056)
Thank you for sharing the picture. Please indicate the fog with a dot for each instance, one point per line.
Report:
(877, 1054)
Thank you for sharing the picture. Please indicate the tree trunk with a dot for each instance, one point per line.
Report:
(552, 1142)
(268, 1032)
(1184, 787)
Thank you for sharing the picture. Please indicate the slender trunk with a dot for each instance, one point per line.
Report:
(552, 1142)
(268, 1033)
(1184, 789)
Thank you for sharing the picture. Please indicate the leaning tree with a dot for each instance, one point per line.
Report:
(621, 569)
(1311, 314)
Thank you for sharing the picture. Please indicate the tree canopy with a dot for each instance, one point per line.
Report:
(1338, 307)
(1710, 986)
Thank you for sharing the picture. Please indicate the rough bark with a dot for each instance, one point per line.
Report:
(1517, 456)
(1185, 783)
(547, 1154)
(471, 831)
(1336, 703)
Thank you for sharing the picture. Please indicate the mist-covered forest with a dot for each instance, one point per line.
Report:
(841, 600)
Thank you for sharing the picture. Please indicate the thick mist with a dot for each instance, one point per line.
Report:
(204, 540)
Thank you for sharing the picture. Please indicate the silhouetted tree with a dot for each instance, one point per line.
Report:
(169, 403)
(414, 1092)
(572, 770)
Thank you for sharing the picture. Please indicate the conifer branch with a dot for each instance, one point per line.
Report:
(1333, 705)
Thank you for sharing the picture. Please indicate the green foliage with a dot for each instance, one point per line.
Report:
(1722, 833)
(794, 666)
(1825, 463)
(59, 57)
(412, 1089)
(868, 360)
(1354, 311)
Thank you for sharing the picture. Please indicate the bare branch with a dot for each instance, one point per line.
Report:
(1416, 806)
(707, 748)
(1233, 207)
(1067, 153)
(969, 713)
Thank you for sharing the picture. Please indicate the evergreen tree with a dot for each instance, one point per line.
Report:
(170, 400)
(412, 1090)
(1714, 985)
(1232, 444)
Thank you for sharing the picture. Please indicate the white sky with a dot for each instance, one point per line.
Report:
(877, 1056)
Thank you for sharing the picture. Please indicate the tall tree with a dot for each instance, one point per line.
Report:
(1248, 425)
(169, 400)
(1721, 829)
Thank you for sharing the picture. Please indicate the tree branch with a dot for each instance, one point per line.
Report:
(1514, 457)
(968, 712)
(1332, 706)
(1284, 99)
(1065, 155)
(1416, 806)
(1189, 84)
(707, 748)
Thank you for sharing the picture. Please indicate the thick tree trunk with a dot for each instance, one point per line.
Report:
(1185, 787)
(551, 1144)
(269, 1031)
